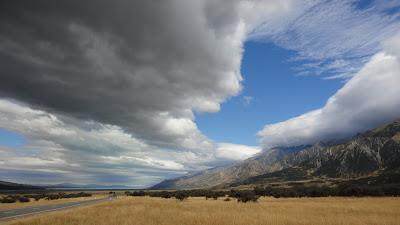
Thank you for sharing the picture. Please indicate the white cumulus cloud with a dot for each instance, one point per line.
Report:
(369, 99)
(236, 152)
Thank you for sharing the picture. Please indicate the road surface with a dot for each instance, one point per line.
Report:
(21, 212)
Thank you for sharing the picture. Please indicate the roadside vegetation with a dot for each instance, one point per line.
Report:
(252, 195)
(25, 200)
(15, 200)
(37, 197)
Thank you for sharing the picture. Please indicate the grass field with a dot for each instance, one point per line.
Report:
(198, 211)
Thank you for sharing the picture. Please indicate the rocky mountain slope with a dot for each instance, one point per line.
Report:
(371, 153)
(262, 163)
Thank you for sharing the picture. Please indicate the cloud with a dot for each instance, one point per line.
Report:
(144, 67)
(369, 99)
(247, 100)
(331, 38)
(235, 151)
(107, 90)
(86, 152)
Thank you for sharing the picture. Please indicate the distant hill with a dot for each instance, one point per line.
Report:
(371, 156)
(85, 186)
(13, 186)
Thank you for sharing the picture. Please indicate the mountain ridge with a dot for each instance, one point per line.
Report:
(374, 151)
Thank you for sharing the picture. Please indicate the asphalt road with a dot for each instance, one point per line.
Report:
(21, 212)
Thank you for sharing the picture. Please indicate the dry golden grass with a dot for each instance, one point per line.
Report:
(198, 211)
(5, 206)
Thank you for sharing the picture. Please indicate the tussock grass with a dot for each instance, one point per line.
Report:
(198, 211)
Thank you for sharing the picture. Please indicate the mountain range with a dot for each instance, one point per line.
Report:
(85, 186)
(9, 186)
(370, 157)
(14, 186)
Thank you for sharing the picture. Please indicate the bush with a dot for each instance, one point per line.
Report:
(165, 194)
(64, 195)
(213, 195)
(227, 199)
(138, 193)
(234, 194)
(24, 199)
(247, 196)
(181, 196)
(8, 199)
(37, 197)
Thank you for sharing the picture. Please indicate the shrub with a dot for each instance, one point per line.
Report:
(24, 199)
(165, 194)
(233, 193)
(138, 193)
(181, 196)
(8, 199)
(247, 196)
(211, 194)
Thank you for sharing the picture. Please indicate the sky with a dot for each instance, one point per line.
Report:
(132, 92)
(275, 94)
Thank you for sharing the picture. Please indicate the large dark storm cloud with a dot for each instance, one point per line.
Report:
(106, 91)
(143, 65)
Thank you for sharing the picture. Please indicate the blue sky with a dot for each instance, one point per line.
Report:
(278, 94)
(11, 139)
